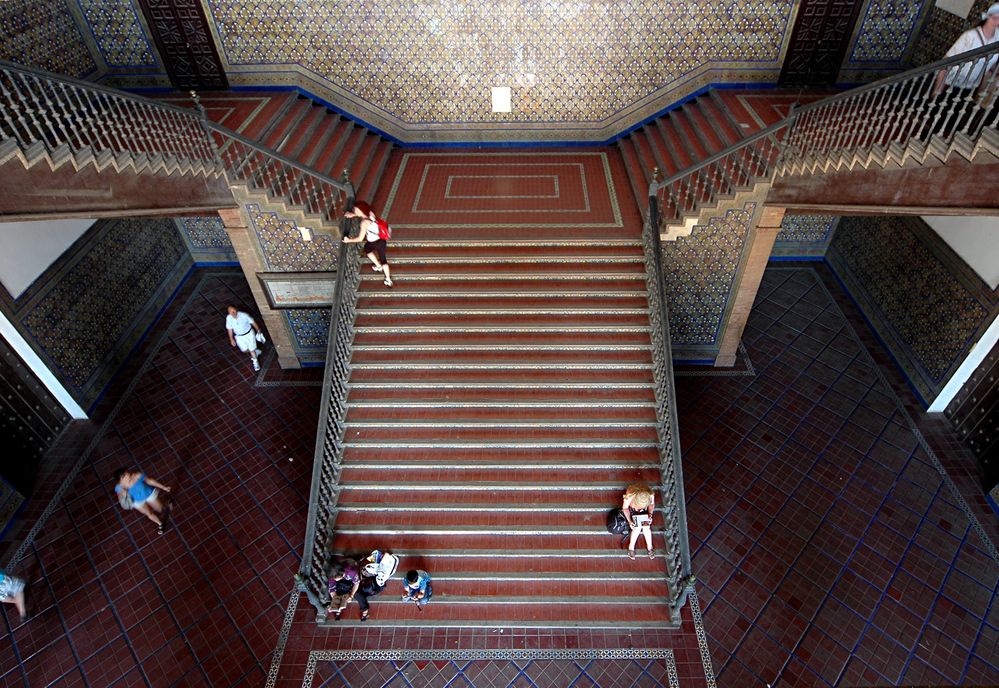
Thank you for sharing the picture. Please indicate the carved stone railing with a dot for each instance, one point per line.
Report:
(61, 120)
(673, 509)
(892, 120)
(312, 576)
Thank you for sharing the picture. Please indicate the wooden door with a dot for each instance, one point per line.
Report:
(184, 39)
(819, 41)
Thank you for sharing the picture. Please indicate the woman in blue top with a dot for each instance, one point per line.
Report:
(144, 492)
(417, 588)
(12, 592)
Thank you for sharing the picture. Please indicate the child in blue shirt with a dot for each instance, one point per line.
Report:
(417, 588)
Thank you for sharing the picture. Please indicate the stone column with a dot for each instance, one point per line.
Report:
(248, 253)
(762, 237)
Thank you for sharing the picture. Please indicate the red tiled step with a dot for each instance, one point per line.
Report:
(624, 372)
(495, 266)
(477, 251)
(372, 473)
(460, 430)
(499, 412)
(473, 282)
(404, 300)
(573, 563)
(360, 539)
(499, 393)
(501, 336)
(379, 161)
(422, 493)
(541, 517)
(398, 317)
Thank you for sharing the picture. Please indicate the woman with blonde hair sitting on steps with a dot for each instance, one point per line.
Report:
(638, 506)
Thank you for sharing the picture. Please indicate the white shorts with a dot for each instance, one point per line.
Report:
(248, 341)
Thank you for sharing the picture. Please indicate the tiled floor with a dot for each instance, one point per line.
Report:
(830, 548)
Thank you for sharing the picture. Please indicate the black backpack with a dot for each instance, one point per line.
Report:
(617, 523)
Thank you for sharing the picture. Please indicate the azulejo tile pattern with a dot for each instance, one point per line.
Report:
(700, 271)
(927, 309)
(886, 30)
(43, 34)
(806, 228)
(85, 317)
(804, 235)
(310, 327)
(205, 232)
(118, 32)
(939, 32)
(435, 62)
(282, 245)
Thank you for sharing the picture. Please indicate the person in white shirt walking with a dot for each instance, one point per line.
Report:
(244, 332)
(967, 91)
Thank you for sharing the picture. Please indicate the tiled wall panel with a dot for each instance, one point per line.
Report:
(86, 312)
(44, 34)
(927, 305)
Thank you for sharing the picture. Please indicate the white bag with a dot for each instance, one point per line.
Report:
(260, 337)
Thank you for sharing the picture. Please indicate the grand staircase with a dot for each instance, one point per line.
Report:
(500, 399)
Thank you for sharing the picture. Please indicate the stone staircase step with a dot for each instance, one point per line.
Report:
(400, 474)
(445, 518)
(499, 392)
(541, 374)
(599, 455)
(499, 411)
(548, 299)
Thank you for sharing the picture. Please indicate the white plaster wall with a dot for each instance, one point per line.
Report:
(958, 7)
(28, 248)
(975, 239)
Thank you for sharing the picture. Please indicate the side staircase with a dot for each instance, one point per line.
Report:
(301, 130)
(500, 398)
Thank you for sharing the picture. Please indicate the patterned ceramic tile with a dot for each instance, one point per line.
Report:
(310, 327)
(86, 316)
(804, 235)
(43, 33)
(118, 32)
(205, 232)
(566, 62)
(700, 272)
(939, 32)
(914, 290)
(282, 245)
(886, 30)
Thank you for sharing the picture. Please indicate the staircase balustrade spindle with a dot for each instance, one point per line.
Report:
(902, 110)
(673, 508)
(330, 436)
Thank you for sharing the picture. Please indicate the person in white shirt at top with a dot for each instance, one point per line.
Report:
(243, 332)
(963, 82)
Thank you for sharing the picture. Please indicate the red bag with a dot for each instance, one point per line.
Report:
(384, 230)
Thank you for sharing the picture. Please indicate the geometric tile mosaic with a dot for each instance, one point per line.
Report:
(700, 271)
(44, 34)
(310, 328)
(282, 245)
(118, 32)
(806, 228)
(205, 232)
(886, 30)
(86, 314)
(923, 300)
(434, 62)
(804, 235)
